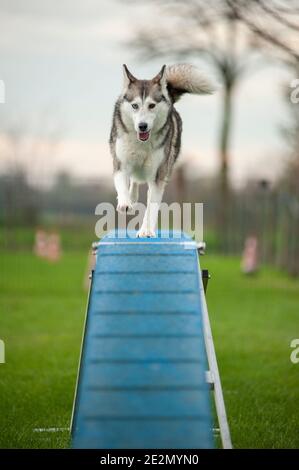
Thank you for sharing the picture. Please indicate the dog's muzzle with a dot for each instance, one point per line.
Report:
(143, 131)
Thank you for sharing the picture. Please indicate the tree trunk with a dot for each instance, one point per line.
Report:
(225, 140)
(224, 157)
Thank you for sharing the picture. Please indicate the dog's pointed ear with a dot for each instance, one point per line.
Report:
(128, 77)
(161, 76)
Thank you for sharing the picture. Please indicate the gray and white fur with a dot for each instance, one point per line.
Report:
(145, 138)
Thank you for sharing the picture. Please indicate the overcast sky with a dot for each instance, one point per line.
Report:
(61, 64)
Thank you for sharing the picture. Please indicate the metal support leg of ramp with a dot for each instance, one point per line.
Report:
(146, 348)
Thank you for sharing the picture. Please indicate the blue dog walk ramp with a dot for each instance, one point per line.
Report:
(142, 379)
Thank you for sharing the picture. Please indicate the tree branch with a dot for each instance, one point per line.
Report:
(268, 37)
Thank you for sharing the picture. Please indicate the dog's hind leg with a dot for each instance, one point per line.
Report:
(154, 198)
(134, 191)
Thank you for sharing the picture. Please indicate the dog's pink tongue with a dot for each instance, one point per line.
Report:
(143, 135)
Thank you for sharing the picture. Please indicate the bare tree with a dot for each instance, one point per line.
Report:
(207, 31)
(230, 35)
(274, 22)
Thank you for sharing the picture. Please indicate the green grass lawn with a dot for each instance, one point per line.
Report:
(253, 322)
(42, 309)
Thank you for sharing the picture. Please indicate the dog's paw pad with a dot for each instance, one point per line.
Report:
(145, 234)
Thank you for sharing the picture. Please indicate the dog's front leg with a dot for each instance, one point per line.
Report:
(154, 198)
(134, 191)
(121, 183)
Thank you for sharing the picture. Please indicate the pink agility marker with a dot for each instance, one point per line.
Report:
(250, 256)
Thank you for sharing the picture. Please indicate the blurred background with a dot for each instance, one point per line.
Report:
(61, 66)
(62, 70)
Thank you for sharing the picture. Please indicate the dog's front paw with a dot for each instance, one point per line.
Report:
(124, 206)
(145, 233)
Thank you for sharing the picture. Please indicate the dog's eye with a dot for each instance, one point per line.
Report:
(151, 105)
(135, 106)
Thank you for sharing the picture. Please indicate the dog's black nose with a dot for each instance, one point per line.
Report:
(142, 126)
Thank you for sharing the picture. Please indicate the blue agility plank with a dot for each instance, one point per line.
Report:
(142, 380)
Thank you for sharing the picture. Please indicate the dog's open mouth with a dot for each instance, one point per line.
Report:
(143, 135)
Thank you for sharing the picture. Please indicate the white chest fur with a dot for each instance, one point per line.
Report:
(138, 159)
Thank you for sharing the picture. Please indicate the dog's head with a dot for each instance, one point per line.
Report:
(145, 103)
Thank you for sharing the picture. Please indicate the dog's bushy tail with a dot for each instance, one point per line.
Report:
(186, 78)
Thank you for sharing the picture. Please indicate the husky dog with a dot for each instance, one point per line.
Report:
(146, 132)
